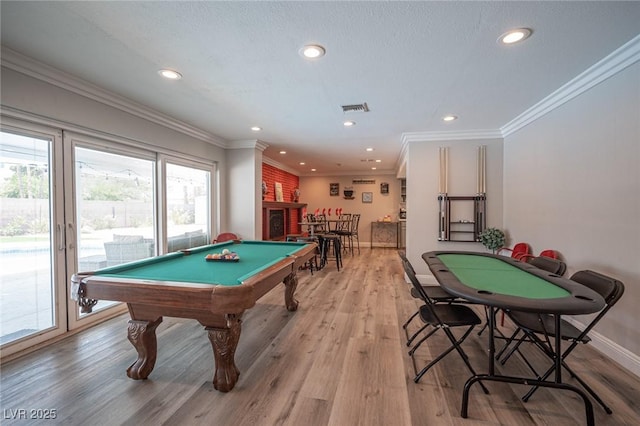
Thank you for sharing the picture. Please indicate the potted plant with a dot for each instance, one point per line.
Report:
(492, 238)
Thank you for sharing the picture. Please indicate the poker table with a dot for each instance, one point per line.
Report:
(186, 284)
(500, 282)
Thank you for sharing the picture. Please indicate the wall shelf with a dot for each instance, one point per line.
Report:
(452, 226)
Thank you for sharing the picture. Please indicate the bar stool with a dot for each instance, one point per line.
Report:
(329, 242)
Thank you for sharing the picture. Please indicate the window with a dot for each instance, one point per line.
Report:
(187, 212)
(114, 209)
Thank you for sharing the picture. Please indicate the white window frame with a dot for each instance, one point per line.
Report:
(163, 159)
(58, 243)
(113, 146)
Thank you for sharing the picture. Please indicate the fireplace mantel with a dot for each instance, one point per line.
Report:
(282, 205)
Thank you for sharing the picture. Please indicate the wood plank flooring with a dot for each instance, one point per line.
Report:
(341, 359)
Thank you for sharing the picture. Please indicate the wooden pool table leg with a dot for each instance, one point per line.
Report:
(291, 283)
(224, 342)
(142, 334)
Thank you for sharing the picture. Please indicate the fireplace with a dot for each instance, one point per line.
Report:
(276, 224)
(280, 219)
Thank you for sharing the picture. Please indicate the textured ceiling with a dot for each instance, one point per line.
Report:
(412, 62)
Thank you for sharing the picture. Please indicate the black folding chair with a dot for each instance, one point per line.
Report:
(435, 293)
(539, 329)
(441, 316)
(555, 266)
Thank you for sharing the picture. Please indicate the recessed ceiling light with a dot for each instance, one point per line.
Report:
(312, 51)
(283, 152)
(313, 170)
(170, 74)
(369, 149)
(349, 123)
(302, 163)
(514, 36)
(449, 118)
(378, 161)
(373, 168)
(256, 128)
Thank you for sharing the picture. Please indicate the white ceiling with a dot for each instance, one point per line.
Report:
(412, 62)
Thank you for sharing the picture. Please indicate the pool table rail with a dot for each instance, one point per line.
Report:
(219, 308)
(172, 294)
(579, 300)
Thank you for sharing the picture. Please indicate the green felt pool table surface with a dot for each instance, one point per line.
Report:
(254, 256)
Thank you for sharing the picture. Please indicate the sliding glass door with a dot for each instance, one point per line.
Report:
(75, 203)
(114, 207)
(32, 236)
(187, 206)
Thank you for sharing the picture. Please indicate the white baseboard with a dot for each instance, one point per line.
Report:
(610, 349)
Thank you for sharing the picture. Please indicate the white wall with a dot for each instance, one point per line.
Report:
(572, 183)
(244, 204)
(315, 192)
(423, 171)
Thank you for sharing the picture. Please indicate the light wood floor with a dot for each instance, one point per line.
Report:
(339, 360)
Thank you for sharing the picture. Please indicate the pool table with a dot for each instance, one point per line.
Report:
(500, 282)
(187, 285)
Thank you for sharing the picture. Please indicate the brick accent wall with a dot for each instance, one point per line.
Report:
(271, 175)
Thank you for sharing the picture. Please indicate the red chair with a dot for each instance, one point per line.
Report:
(518, 250)
(225, 236)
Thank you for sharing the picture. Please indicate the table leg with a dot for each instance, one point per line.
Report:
(588, 407)
(492, 343)
(142, 334)
(557, 384)
(224, 342)
(558, 348)
(290, 284)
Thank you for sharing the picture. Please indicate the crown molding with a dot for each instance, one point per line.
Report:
(618, 60)
(401, 162)
(448, 136)
(277, 165)
(38, 70)
(249, 143)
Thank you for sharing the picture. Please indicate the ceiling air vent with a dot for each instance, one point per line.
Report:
(355, 108)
